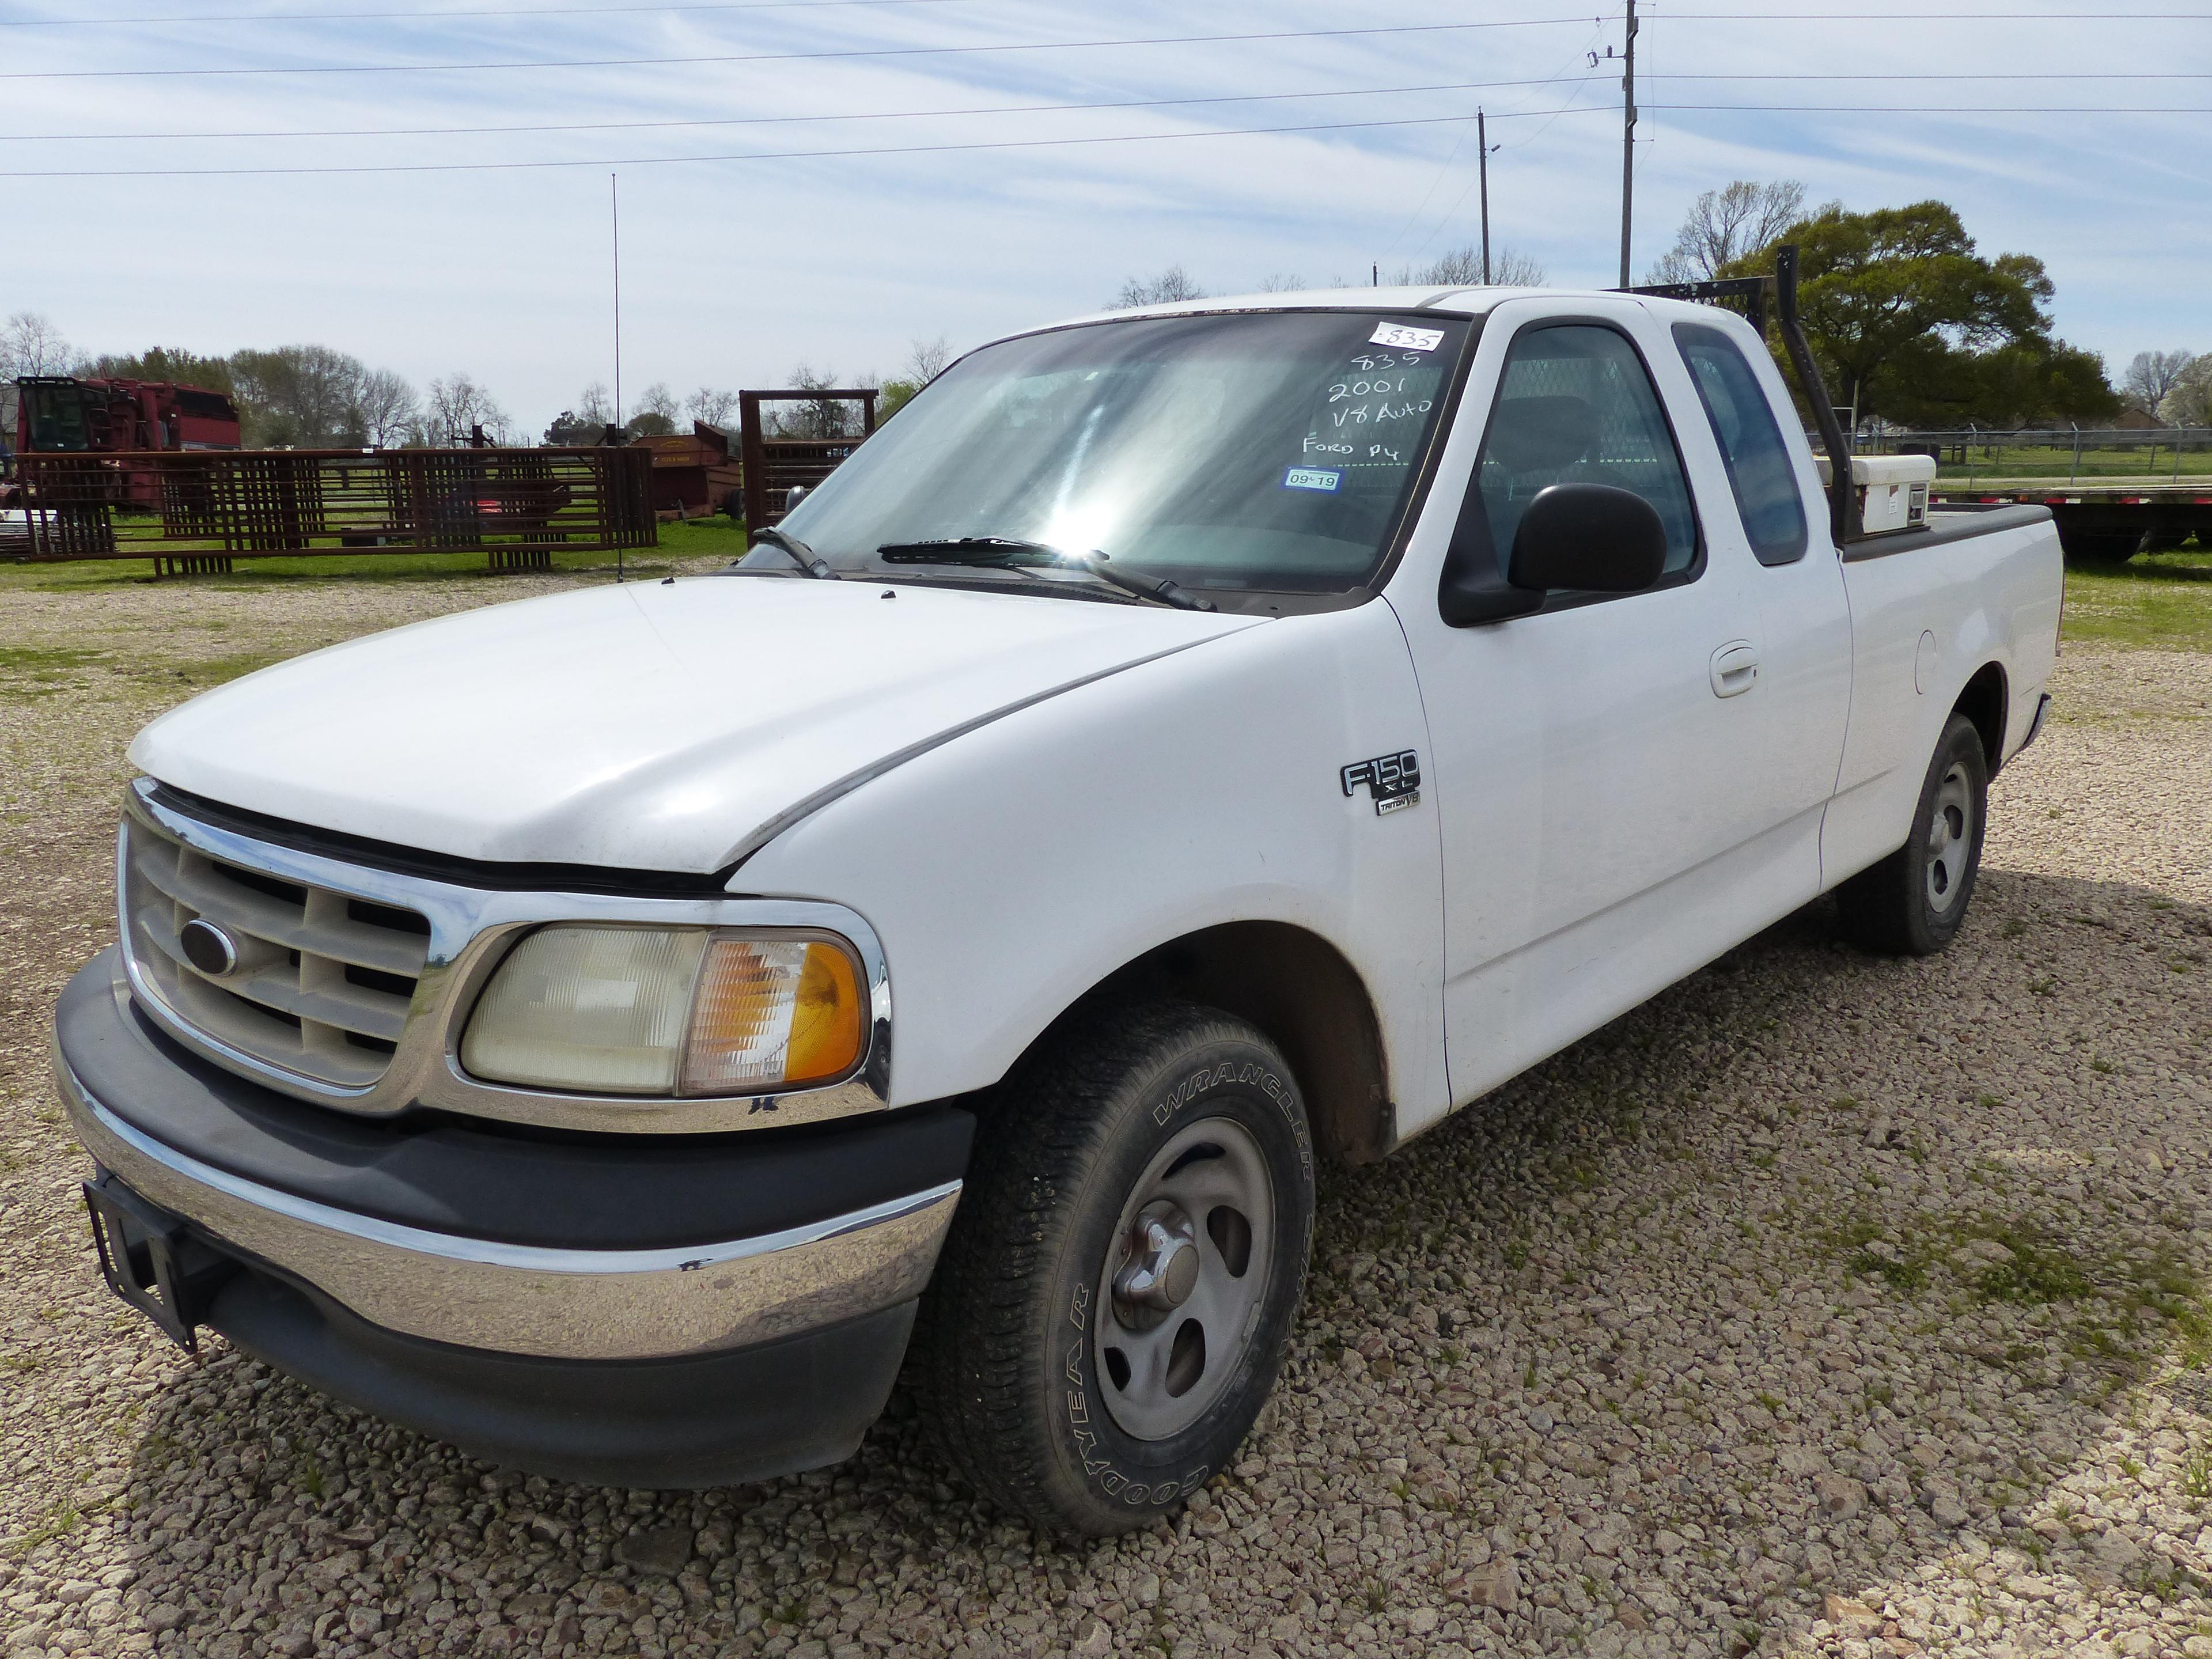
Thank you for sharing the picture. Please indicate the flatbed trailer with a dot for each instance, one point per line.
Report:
(2112, 519)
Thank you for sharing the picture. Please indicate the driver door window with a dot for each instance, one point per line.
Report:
(1576, 405)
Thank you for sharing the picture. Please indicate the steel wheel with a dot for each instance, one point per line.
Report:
(1185, 1274)
(1950, 838)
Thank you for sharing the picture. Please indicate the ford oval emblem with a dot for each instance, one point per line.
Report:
(208, 947)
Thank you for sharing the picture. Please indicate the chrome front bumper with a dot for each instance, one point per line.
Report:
(531, 1300)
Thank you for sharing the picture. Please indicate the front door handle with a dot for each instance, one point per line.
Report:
(1735, 668)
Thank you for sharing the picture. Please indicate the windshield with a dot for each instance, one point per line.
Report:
(1271, 451)
(57, 417)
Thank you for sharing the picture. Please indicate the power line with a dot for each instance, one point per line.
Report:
(767, 120)
(785, 57)
(1946, 109)
(1056, 143)
(992, 109)
(742, 155)
(438, 16)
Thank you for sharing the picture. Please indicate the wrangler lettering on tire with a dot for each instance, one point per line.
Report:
(1114, 1301)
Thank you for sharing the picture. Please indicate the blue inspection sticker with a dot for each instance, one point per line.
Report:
(1308, 477)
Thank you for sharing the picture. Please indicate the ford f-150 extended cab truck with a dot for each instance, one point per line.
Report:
(1182, 745)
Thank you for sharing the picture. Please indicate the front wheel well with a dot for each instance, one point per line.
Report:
(1307, 1000)
(1983, 703)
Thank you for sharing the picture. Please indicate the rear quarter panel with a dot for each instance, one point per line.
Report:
(1924, 621)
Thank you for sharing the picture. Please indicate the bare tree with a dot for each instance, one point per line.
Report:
(385, 408)
(654, 416)
(1280, 282)
(1463, 268)
(30, 344)
(1725, 225)
(2190, 401)
(458, 404)
(818, 417)
(2152, 375)
(1169, 285)
(595, 404)
(710, 405)
(925, 361)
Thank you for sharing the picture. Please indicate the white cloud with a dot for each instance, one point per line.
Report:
(734, 270)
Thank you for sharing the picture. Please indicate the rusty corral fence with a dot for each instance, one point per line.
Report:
(518, 506)
(773, 467)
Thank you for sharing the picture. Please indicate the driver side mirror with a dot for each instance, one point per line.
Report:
(1594, 539)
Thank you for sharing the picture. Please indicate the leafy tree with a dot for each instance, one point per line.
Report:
(569, 430)
(924, 363)
(2189, 403)
(300, 397)
(175, 366)
(1909, 321)
(1723, 225)
(1167, 287)
(2151, 375)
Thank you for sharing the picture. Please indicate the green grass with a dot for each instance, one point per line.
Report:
(712, 537)
(2043, 461)
(2155, 601)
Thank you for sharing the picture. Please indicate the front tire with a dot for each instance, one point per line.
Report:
(1913, 902)
(1114, 1300)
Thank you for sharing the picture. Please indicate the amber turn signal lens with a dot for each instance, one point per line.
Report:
(773, 1013)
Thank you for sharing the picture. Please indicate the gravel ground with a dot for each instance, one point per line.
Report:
(1824, 1305)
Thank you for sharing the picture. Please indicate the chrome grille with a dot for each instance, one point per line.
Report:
(323, 981)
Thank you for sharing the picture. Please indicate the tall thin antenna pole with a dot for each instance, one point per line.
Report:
(1627, 141)
(614, 220)
(614, 224)
(1482, 143)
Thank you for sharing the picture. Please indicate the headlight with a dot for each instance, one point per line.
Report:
(648, 1011)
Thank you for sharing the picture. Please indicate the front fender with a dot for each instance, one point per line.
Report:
(1011, 870)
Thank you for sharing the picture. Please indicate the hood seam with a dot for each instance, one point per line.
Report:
(799, 811)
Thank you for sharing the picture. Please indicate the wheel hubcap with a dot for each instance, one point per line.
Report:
(1162, 1270)
(1950, 840)
(1184, 1279)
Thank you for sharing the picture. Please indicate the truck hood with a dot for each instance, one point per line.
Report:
(648, 726)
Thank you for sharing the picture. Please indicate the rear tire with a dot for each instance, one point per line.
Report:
(1913, 902)
(1119, 1288)
(2101, 546)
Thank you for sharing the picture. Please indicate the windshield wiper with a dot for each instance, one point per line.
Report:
(1002, 552)
(801, 554)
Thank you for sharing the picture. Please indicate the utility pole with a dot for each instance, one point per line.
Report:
(1482, 143)
(1627, 141)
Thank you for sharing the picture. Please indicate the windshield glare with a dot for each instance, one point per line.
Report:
(1273, 451)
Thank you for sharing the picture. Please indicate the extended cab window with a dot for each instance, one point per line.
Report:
(1273, 451)
(1759, 469)
(1576, 405)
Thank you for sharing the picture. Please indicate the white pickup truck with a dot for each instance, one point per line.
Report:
(1181, 744)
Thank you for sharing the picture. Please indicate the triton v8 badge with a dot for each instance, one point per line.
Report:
(1394, 781)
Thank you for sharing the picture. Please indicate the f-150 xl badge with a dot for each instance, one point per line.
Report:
(1394, 781)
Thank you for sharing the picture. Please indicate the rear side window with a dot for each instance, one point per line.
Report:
(1577, 406)
(1759, 469)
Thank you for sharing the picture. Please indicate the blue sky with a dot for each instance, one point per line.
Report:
(735, 271)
